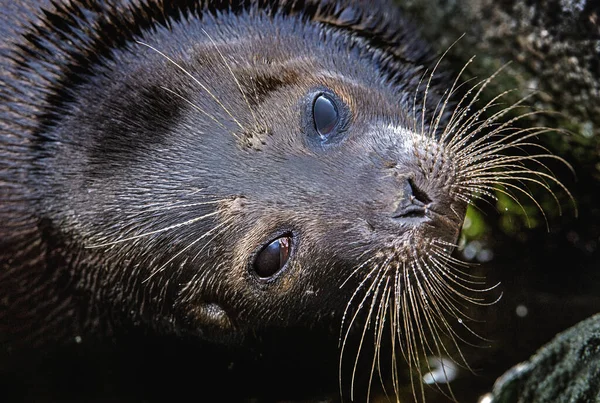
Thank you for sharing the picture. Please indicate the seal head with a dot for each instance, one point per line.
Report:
(216, 171)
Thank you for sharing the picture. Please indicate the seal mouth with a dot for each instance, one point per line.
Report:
(411, 211)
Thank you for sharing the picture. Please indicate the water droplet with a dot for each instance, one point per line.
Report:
(443, 371)
(485, 255)
(486, 398)
(521, 311)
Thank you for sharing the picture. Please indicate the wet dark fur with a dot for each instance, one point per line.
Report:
(100, 142)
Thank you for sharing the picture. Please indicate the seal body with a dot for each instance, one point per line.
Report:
(214, 169)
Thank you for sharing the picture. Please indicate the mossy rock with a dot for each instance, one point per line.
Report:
(565, 370)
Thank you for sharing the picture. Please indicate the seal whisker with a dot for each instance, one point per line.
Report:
(427, 87)
(213, 96)
(432, 317)
(403, 329)
(438, 112)
(493, 160)
(485, 187)
(479, 191)
(498, 180)
(209, 241)
(232, 75)
(508, 165)
(431, 291)
(368, 294)
(199, 109)
(509, 173)
(493, 183)
(436, 304)
(461, 148)
(457, 265)
(485, 196)
(514, 172)
(395, 312)
(455, 212)
(456, 118)
(423, 301)
(170, 227)
(447, 279)
(415, 110)
(450, 263)
(498, 132)
(380, 329)
(459, 129)
(344, 335)
(356, 270)
(374, 299)
(438, 116)
(414, 333)
(504, 166)
(504, 141)
(514, 132)
(453, 88)
(444, 297)
(207, 233)
(415, 340)
(162, 207)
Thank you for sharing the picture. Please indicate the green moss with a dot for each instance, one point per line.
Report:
(474, 226)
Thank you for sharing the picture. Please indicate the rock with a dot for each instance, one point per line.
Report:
(565, 370)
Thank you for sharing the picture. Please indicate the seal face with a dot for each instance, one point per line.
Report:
(214, 170)
(226, 170)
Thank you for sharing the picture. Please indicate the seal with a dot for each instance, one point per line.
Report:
(215, 169)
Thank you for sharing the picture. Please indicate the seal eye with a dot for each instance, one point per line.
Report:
(273, 257)
(325, 115)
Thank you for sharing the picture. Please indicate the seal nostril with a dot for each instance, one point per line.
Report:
(413, 203)
(418, 194)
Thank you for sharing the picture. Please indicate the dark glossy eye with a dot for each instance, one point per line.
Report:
(273, 257)
(325, 115)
